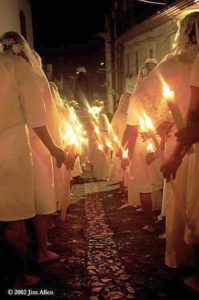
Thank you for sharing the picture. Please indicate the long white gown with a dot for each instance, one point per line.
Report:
(175, 71)
(101, 161)
(118, 124)
(20, 104)
(192, 237)
(45, 197)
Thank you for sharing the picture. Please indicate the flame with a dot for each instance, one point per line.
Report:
(97, 131)
(125, 154)
(167, 92)
(150, 147)
(142, 124)
(100, 147)
(115, 139)
(94, 110)
(149, 123)
(109, 144)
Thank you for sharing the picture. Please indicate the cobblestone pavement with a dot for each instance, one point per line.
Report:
(104, 252)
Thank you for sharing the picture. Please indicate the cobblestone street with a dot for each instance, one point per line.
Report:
(104, 252)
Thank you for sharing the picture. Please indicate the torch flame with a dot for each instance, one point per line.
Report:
(150, 147)
(142, 124)
(109, 144)
(115, 139)
(100, 147)
(149, 123)
(167, 92)
(125, 154)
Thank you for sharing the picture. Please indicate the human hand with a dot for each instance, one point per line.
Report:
(59, 155)
(145, 136)
(70, 161)
(170, 167)
(164, 128)
(118, 153)
(150, 157)
(124, 163)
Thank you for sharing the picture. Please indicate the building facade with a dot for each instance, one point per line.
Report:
(15, 15)
(133, 35)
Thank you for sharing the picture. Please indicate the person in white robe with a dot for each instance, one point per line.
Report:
(18, 109)
(118, 125)
(101, 154)
(186, 137)
(45, 202)
(143, 179)
(175, 70)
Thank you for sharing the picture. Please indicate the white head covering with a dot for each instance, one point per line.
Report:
(145, 69)
(124, 102)
(188, 33)
(12, 42)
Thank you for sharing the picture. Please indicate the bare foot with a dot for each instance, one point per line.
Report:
(51, 224)
(149, 228)
(47, 257)
(49, 244)
(162, 236)
(25, 281)
(192, 283)
(125, 205)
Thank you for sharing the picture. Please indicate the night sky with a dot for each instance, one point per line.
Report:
(56, 26)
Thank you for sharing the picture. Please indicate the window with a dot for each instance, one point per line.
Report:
(136, 62)
(23, 24)
(150, 53)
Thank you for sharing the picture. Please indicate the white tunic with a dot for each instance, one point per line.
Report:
(45, 197)
(193, 181)
(20, 104)
(101, 160)
(118, 126)
(176, 73)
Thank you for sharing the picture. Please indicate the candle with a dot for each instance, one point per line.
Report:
(169, 96)
(151, 129)
(149, 125)
(125, 154)
(150, 147)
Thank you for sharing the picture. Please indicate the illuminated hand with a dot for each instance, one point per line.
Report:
(124, 163)
(188, 136)
(170, 167)
(119, 153)
(150, 157)
(145, 136)
(105, 150)
(70, 161)
(164, 129)
(59, 155)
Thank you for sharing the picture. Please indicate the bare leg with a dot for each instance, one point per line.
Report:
(193, 281)
(16, 236)
(40, 223)
(146, 203)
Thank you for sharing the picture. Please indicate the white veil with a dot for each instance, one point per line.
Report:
(14, 43)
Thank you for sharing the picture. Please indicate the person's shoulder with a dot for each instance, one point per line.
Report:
(8, 57)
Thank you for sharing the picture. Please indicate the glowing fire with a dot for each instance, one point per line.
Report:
(150, 147)
(100, 147)
(167, 93)
(109, 144)
(125, 154)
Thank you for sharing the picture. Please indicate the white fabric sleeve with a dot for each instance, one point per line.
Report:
(32, 104)
(131, 114)
(195, 73)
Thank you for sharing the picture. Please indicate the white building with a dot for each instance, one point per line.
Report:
(15, 15)
(151, 38)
